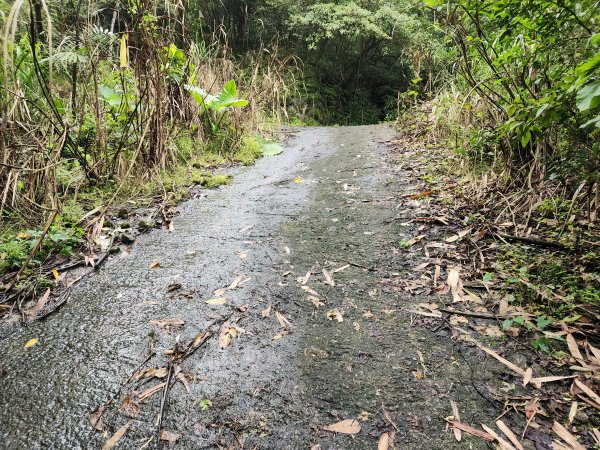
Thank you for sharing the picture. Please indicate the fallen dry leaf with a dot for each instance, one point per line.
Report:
(279, 335)
(266, 312)
(246, 228)
(419, 195)
(458, 236)
(512, 437)
(39, 305)
(181, 377)
(315, 301)
(566, 436)
(384, 442)
(421, 266)
(151, 391)
(169, 436)
(282, 320)
(115, 437)
(168, 323)
(335, 314)
(455, 413)
(198, 340)
(469, 429)
(173, 287)
(154, 265)
(456, 320)
(414, 240)
(130, 405)
(339, 269)
(574, 349)
(228, 333)
(151, 372)
(303, 280)
(31, 342)
(238, 282)
(531, 408)
(96, 418)
(572, 412)
(216, 301)
(588, 391)
(455, 284)
(89, 260)
(328, 278)
(348, 426)
(595, 352)
(309, 290)
(503, 443)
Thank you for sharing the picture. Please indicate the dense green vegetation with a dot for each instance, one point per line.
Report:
(102, 104)
(357, 57)
(528, 92)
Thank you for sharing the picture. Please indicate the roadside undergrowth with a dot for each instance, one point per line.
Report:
(547, 245)
(109, 129)
(521, 263)
(95, 221)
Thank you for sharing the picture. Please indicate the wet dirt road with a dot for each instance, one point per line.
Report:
(292, 366)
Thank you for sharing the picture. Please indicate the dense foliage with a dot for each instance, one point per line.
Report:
(358, 56)
(530, 83)
(102, 102)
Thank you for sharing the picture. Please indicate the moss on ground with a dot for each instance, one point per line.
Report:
(249, 152)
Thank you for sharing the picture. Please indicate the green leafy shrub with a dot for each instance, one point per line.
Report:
(13, 253)
(214, 108)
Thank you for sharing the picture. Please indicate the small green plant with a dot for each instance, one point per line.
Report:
(403, 243)
(205, 404)
(537, 325)
(210, 181)
(555, 207)
(13, 254)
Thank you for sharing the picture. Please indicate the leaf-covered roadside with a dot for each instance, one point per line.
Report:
(516, 278)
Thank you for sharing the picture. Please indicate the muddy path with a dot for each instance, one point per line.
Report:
(303, 354)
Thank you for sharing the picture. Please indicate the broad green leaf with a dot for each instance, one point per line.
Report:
(595, 121)
(227, 98)
(519, 319)
(589, 96)
(59, 105)
(525, 138)
(203, 98)
(542, 322)
(589, 66)
(271, 149)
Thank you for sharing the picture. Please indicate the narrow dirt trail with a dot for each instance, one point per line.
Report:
(276, 385)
